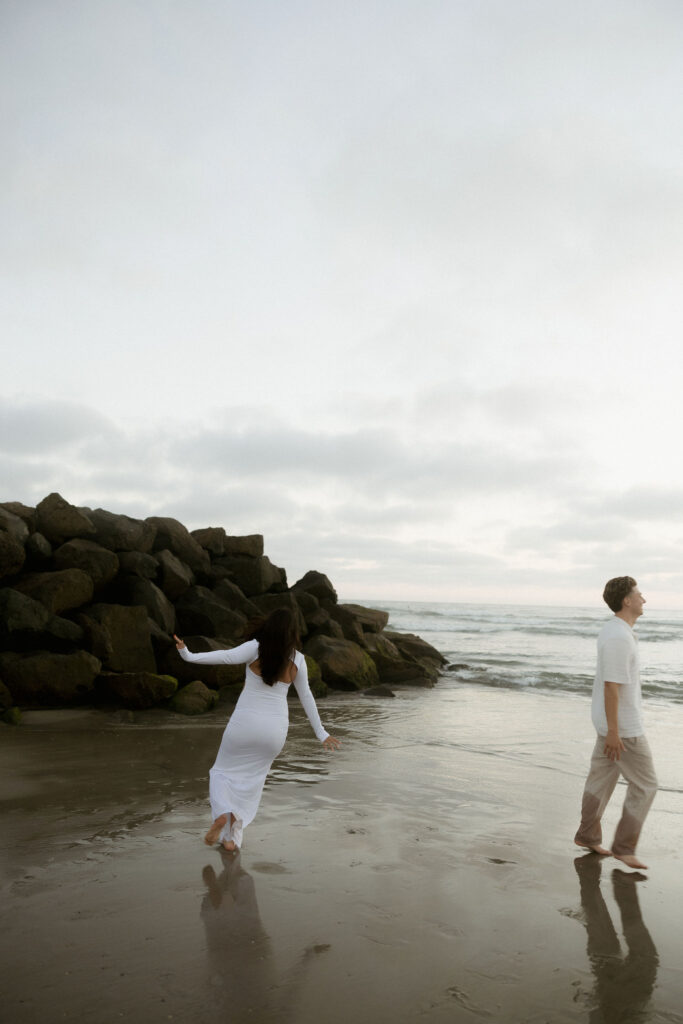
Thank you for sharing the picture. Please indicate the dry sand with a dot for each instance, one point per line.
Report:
(426, 872)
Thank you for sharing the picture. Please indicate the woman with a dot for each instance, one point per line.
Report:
(257, 729)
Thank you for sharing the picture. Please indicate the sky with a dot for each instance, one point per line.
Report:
(396, 283)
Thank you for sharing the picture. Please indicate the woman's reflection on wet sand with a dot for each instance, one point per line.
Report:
(623, 984)
(242, 972)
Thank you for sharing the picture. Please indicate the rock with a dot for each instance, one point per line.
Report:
(307, 602)
(231, 594)
(136, 690)
(173, 535)
(38, 550)
(59, 521)
(12, 555)
(100, 564)
(121, 533)
(137, 563)
(254, 575)
(96, 638)
(383, 652)
(315, 678)
(200, 611)
(211, 538)
(418, 653)
(379, 691)
(267, 603)
(44, 677)
(350, 627)
(343, 664)
(126, 635)
(6, 699)
(58, 591)
(174, 577)
(20, 613)
(13, 525)
(25, 512)
(372, 620)
(12, 716)
(61, 633)
(134, 591)
(249, 546)
(193, 699)
(316, 583)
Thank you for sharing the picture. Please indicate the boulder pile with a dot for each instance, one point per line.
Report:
(89, 600)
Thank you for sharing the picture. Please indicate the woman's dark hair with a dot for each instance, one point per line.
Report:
(278, 638)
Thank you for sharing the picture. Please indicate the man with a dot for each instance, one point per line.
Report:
(621, 746)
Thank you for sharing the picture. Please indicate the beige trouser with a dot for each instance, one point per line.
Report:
(635, 764)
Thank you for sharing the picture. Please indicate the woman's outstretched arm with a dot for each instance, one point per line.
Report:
(307, 699)
(240, 655)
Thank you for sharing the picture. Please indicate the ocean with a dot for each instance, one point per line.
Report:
(549, 649)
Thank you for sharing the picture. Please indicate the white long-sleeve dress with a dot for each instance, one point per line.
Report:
(255, 734)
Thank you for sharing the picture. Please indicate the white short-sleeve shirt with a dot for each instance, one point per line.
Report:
(618, 662)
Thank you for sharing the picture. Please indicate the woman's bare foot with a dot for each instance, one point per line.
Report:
(212, 835)
(600, 850)
(229, 845)
(630, 860)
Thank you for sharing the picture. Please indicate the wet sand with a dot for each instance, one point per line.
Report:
(426, 872)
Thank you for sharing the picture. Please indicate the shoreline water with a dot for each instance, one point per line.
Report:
(425, 872)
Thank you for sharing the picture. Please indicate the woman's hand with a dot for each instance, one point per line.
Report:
(180, 644)
(331, 743)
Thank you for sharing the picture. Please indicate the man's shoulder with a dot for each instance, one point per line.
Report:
(615, 630)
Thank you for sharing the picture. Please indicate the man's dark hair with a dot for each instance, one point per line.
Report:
(616, 590)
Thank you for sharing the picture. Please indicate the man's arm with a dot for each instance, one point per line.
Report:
(613, 743)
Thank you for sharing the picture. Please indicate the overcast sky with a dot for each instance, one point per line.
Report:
(396, 283)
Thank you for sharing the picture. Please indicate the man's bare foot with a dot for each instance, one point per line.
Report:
(229, 845)
(212, 835)
(600, 850)
(630, 860)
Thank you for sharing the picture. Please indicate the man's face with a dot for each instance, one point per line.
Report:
(634, 601)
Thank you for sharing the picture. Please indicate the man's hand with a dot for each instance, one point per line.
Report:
(613, 745)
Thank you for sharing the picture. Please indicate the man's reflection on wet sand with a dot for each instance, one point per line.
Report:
(242, 972)
(623, 984)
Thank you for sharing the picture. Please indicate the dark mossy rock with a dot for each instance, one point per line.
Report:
(47, 678)
(126, 636)
(315, 678)
(6, 699)
(11, 716)
(194, 699)
(372, 620)
(96, 637)
(20, 613)
(235, 598)
(137, 563)
(174, 576)
(100, 564)
(318, 584)
(59, 591)
(121, 533)
(268, 603)
(175, 537)
(12, 555)
(38, 551)
(343, 664)
(307, 602)
(211, 538)
(59, 521)
(249, 546)
(135, 690)
(200, 611)
(135, 591)
(417, 654)
(13, 525)
(254, 575)
(350, 627)
(25, 512)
